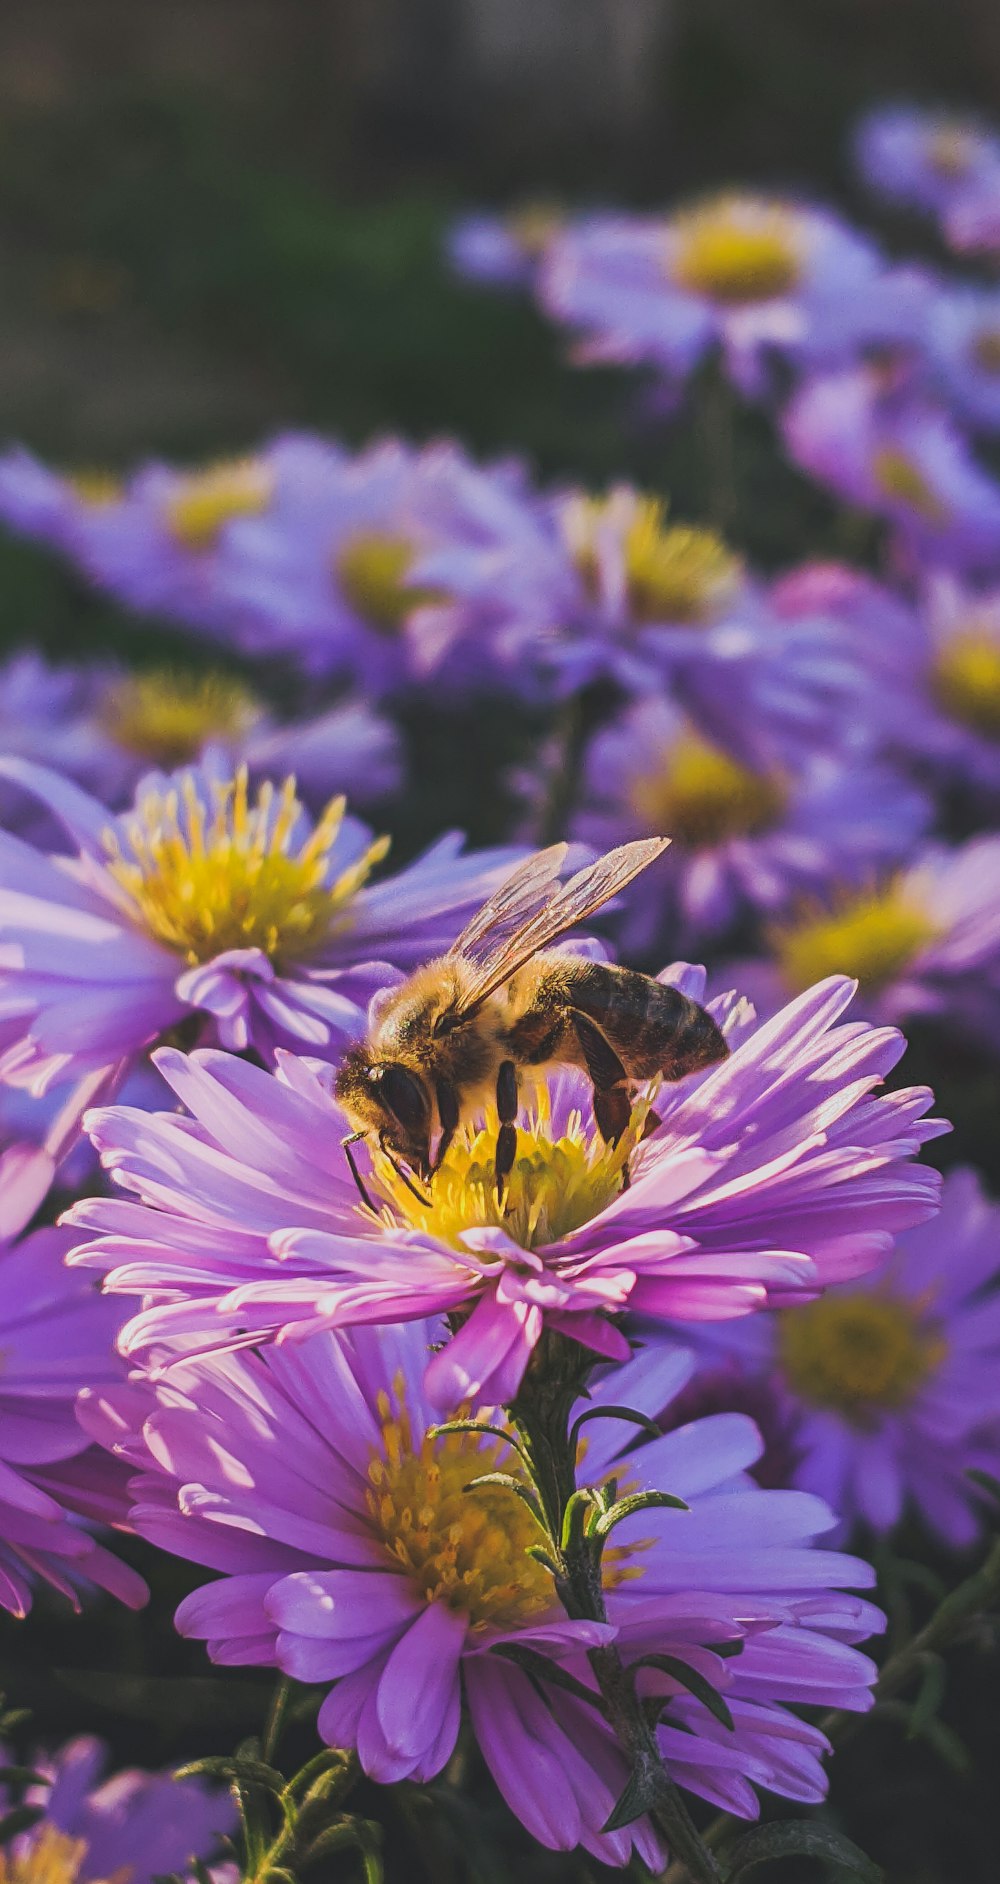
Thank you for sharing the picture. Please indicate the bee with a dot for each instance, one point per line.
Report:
(460, 1030)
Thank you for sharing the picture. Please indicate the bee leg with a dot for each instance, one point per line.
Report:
(403, 1174)
(448, 1113)
(612, 1101)
(346, 1144)
(507, 1109)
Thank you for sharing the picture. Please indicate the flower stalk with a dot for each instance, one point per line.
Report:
(578, 1524)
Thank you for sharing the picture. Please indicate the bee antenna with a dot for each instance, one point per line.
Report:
(346, 1144)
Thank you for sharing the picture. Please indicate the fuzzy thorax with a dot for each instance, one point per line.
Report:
(238, 873)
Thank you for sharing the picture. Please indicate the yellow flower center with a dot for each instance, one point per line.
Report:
(205, 501)
(371, 568)
(533, 226)
(702, 797)
(97, 489)
(673, 573)
(950, 150)
(736, 250)
(555, 1186)
(873, 936)
(52, 1858)
(986, 350)
(898, 477)
(235, 875)
(167, 715)
(859, 1354)
(466, 1549)
(966, 681)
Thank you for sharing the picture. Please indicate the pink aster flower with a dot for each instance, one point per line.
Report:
(352, 1552)
(887, 1391)
(923, 944)
(209, 904)
(136, 1825)
(775, 1172)
(889, 450)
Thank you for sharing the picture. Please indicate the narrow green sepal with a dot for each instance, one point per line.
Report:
(639, 1501)
(800, 1838)
(695, 1683)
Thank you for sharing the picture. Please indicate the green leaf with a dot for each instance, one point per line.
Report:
(479, 1426)
(574, 1526)
(511, 1484)
(929, 1698)
(19, 1820)
(541, 1668)
(639, 1796)
(611, 1413)
(245, 1772)
(696, 1684)
(639, 1501)
(24, 1776)
(799, 1838)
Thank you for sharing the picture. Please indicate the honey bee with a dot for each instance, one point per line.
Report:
(458, 1031)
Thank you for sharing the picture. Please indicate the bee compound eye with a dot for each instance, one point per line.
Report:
(403, 1096)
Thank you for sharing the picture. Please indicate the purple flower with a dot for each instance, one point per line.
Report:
(207, 900)
(892, 1385)
(923, 944)
(503, 251)
(963, 346)
(745, 840)
(893, 452)
(58, 1336)
(930, 159)
(135, 1825)
(773, 1173)
(352, 1551)
(934, 663)
(47, 506)
(745, 273)
(573, 589)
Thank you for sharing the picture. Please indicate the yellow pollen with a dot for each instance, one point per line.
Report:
(238, 874)
(873, 935)
(51, 1857)
(371, 568)
(951, 150)
(736, 249)
(205, 501)
(533, 225)
(986, 350)
(98, 489)
(898, 477)
(702, 797)
(859, 1354)
(168, 716)
(555, 1186)
(966, 681)
(673, 573)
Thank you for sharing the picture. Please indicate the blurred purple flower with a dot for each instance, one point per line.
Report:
(205, 900)
(748, 274)
(134, 1825)
(930, 159)
(775, 1172)
(297, 1474)
(889, 450)
(745, 841)
(506, 250)
(892, 1385)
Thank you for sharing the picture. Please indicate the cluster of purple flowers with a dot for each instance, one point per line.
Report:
(307, 1373)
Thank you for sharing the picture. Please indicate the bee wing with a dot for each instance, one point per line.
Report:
(581, 897)
(512, 905)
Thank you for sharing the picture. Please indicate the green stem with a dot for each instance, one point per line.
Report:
(579, 717)
(541, 1415)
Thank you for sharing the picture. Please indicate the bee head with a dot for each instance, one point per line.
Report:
(391, 1099)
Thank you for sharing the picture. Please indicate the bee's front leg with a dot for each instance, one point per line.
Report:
(612, 1100)
(507, 1109)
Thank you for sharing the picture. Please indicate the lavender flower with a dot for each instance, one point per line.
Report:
(503, 251)
(890, 1385)
(923, 944)
(745, 273)
(206, 900)
(135, 1824)
(744, 840)
(929, 159)
(352, 1551)
(775, 1172)
(890, 451)
(963, 346)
